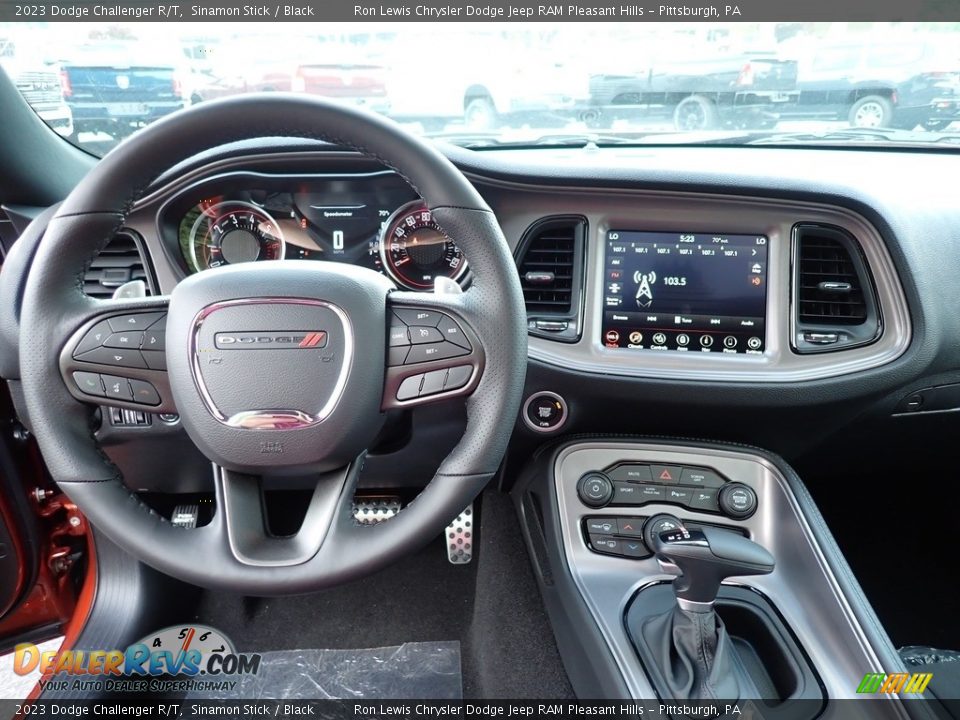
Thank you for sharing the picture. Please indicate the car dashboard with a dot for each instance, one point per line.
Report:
(665, 293)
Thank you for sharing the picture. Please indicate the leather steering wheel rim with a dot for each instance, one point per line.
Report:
(55, 307)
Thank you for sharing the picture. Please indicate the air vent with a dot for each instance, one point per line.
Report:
(835, 304)
(550, 263)
(118, 263)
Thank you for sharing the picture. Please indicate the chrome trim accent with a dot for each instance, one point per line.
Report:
(271, 420)
(553, 395)
(802, 586)
(795, 293)
(695, 607)
(518, 206)
(298, 418)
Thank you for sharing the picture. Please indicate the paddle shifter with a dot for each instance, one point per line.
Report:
(689, 643)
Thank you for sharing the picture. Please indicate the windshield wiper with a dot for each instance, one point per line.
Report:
(852, 135)
(478, 140)
(849, 137)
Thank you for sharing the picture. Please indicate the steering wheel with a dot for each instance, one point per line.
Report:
(328, 330)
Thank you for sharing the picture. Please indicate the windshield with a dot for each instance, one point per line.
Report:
(498, 85)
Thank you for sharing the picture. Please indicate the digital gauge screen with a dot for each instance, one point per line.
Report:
(685, 292)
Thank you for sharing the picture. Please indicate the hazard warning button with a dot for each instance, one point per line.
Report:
(666, 474)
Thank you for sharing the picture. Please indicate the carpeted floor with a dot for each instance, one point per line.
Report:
(491, 606)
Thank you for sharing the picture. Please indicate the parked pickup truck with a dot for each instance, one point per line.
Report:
(39, 83)
(315, 69)
(744, 90)
(115, 89)
(900, 82)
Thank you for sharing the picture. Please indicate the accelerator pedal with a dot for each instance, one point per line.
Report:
(459, 537)
(373, 509)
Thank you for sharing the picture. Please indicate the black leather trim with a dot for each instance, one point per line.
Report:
(54, 306)
(13, 280)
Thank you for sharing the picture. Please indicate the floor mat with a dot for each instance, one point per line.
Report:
(428, 670)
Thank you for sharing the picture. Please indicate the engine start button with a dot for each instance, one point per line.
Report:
(545, 412)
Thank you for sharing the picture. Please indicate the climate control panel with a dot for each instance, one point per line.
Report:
(701, 489)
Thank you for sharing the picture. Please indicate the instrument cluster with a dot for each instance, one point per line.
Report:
(374, 220)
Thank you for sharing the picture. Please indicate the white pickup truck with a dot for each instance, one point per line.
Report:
(39, 83)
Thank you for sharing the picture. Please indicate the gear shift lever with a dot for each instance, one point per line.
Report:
(706, 557)
(689, 643)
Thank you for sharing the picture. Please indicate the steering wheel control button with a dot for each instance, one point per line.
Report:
(117, 388)
(93, 338)
(666, 474)
(144, 393)
(627, 472)
(89, 383)
(396, 356)
(704, 499)
(457, 377)
(738, 501)
(545, 412)
(155, 359)
(124, 340)
(154, 339)
(433, 382)
(452, 332)
(140, 321)
(410, 388)
(114, 356)
(424, 335)
(436, 351)
(700, 477)
(415, 317)
(398, 336)
(595, 489)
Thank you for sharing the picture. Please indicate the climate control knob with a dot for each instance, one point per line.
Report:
(738, 501)
(595, 489)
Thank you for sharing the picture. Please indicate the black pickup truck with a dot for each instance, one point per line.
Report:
(897, 83)
(742, 90)
(115, 90)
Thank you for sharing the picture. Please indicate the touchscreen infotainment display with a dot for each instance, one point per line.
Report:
(686, 292)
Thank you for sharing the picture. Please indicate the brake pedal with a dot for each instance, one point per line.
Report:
(371, 510)
(459, 537)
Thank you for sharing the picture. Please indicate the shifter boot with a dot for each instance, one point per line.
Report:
(694, 654)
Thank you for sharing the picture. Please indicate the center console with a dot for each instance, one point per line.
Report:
(612, 525)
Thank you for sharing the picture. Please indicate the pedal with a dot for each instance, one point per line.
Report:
(185, 516)
(459, 536)
(371, 510)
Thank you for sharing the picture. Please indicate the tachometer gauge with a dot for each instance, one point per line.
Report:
(234, 232)
(415, 250)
